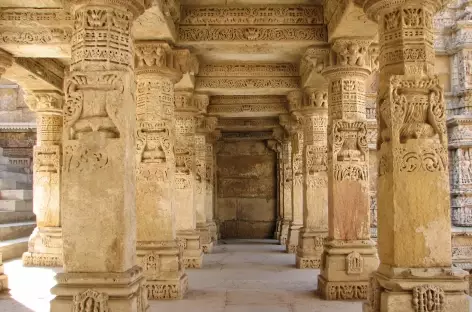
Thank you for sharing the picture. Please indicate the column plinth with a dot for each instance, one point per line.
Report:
(414, 218)
(349, 255)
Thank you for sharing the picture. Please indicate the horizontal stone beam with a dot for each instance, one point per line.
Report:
(247, 85)
(253, 15)
(247, 110)
(252, 69)
(36, 32)
(238, 136)
(247, 124)
(37, 73)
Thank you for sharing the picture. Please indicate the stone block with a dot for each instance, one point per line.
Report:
(16, 205)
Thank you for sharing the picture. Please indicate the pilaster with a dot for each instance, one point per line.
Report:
(157, 250)
(415, 272)
(349, 255)
(277, 148)
(45, 243)
(6, 61)
(315, 185)
(98, 190)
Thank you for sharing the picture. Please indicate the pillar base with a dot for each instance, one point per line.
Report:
(342, 290)
(310, 249)
(123, 292)
(163, 269)
(418, 289)
(189, 244)
(345, 269)
(205, 237)
(293, 235)
(44, 248)
(284, 232)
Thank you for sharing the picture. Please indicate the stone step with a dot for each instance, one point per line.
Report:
(14, 216)
(16, 205)
(16, 230)
(6, 184)
(16, 194)
(16, 176)
(13, 248)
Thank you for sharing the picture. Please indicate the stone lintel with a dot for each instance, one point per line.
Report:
(247, 85)
(246, 110)
(247, 124)
(158, 21)
(37, 73)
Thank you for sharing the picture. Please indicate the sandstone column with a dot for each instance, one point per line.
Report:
(275, 146)
(205, 125)
(45, 243)
(210, 189)
(287, 182)
(414, 222)
(296, 135)
(6, 61)
(315, 187)
(157, 249)
(349, 255)
(187, 107)
(98, 202)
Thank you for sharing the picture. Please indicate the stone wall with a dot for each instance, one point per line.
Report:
(247, 185)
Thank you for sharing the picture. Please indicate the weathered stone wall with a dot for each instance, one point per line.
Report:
(247, 185)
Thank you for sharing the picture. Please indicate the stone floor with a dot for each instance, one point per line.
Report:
(240, 275)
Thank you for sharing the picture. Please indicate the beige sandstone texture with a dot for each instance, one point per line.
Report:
(340, 128)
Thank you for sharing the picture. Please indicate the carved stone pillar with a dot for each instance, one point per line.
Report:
(187, 107)
(275, 146)
(315, 187)
(210, 189)
(349, 254)
(45, 243)
(6, 61)
(157, 249)
(414, 222)
(98, 202)
(295, 130)
(287, 183)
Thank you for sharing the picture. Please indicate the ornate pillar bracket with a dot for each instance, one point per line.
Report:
(314, 112)
(157, 156)
(414, 273)
(349, 254)
(98, 200)
(6, 61)
(295, 130)
(45, 243)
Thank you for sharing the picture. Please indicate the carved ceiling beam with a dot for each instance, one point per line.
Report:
(159, 21)
(37, 73)
(241, 136)
(247, 85)
(247, 124)
(32, 32)
(346, 18)
(247, 106)
(249, 69)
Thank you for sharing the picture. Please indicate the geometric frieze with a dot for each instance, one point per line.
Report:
(241, 99)
(249, 69)
(241, 136)
(252, 15)
(247, 110)
(247, 124)
(247, 85)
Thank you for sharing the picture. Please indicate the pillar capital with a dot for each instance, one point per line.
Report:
(349, 57)
(206, 124)
(45, 101)
(157, 58)
(375, 8)
(136, 7)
